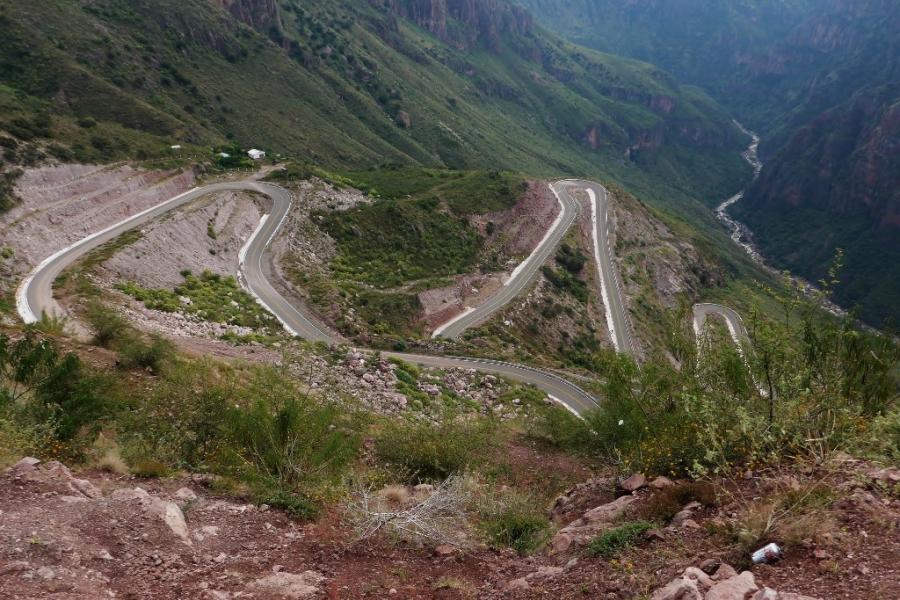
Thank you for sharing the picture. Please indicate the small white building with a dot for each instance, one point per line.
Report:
(256, 154)
(224, 155)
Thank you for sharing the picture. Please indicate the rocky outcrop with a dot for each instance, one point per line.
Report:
(262, 15)
(64, 536)
(592, 523)
(724, 584)
(464, 23)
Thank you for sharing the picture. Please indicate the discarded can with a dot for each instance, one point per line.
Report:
(766, 554)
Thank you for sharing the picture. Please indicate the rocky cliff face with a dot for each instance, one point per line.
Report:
(464, 23)
(262, 15)
(818, 81)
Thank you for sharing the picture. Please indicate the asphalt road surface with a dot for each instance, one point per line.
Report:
(35, 295)
(521, 278)
(610, 289)
(732, 320)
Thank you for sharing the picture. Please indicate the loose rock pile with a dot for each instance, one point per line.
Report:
(61, 536)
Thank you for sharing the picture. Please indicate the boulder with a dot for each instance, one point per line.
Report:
(27, 464)
(685, 513)
(517, 585)
(765, 593)
(590, 524)
(661, 483)
(725, 571)
(606, 513)
(172, 516)
(545, 573)
(634, 483)
(694, 574)
(290, 585)
(444, 550)
(168, 512)
(185, 495)
(711, 565)
(738, 587)
(678, 589)
(889, 476)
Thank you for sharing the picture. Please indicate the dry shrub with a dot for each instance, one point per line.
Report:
(438, 518)
(394, 496)
(787, 515)
(667, 502)
(106, 455)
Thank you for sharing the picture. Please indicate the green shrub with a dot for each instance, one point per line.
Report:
(612, 542)
(148, 468)
(515, 521)
(298, 506)
(571, 259)
(108, 325)
(42, 387)
(422, 452)
(290, 439)
(560, 428)
(212, 297)
(137, 353)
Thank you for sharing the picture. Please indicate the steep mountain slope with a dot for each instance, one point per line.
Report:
(818, 80)
(349, 83)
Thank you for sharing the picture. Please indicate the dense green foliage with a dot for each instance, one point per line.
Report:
(805, 384)
(612, 542)
(463, 192)
(39, 383)
(421, 452)
(210, 296)
(515, 521)
(391, 242)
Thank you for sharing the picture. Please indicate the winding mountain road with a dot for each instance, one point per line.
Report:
(732, 320)
(521, 277)
(617, 319)
(35, 295)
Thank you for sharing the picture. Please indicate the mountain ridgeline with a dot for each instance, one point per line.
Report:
(820, 82)
(352, 84)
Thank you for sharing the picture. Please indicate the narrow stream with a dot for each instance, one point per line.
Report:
(743, 237)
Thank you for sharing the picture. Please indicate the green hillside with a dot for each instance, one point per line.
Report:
(349, 84)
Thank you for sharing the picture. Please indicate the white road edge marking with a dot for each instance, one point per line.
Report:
(515, 273)
(22, 306)
(469, 310)
(242, 257)
(604, 290)
(565, 406)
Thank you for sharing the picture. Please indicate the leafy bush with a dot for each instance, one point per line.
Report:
(391, 242)
(290, 439)
(147, 468)
(566, 282)
(515, 521)
(39, 386)
(211, 296)
(298, 506)
(571, 259)
(614, 541)
(108, 325)
(804, 384)
(151, 355)
(425, 453)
